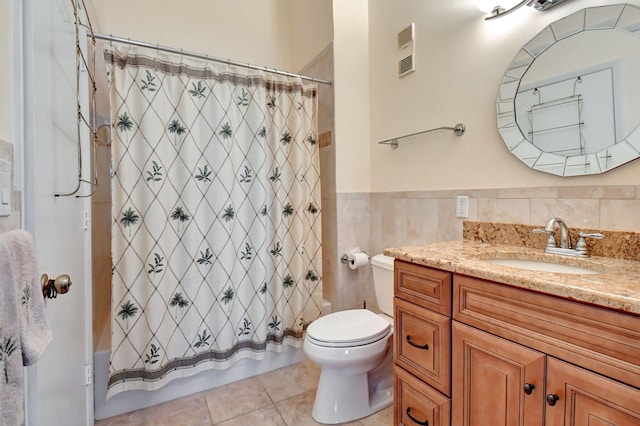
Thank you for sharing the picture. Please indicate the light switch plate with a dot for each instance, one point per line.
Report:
(5, 188)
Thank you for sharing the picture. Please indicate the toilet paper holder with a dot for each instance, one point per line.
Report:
(344, 259)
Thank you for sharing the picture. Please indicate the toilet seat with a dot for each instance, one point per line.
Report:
(354, 327)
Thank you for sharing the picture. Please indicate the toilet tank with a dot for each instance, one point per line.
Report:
(382, 267)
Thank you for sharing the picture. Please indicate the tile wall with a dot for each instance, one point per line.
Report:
(322, 67)
(390, 219)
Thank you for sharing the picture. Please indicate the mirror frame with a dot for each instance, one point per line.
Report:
(622, 17)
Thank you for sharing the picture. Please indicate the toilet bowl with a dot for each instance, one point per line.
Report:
(354, 349)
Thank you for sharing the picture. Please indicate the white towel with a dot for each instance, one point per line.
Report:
(35, 334)
(24, 329)
(11, 371)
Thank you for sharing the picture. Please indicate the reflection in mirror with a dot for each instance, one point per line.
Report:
(564, 105)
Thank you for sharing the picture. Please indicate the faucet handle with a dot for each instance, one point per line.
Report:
(581, 246)
(551, 239)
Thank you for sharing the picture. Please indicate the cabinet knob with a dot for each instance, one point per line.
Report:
(528, 388)
(425, 346)
(552, 398)
(416, 421)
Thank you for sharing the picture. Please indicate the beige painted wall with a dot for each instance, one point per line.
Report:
(6, 71)
(311, 30)
(255, 31)
(460, 60)
(352, 98)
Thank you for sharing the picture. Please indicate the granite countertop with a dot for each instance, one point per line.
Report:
(615, 286)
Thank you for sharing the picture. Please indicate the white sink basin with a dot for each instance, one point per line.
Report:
(536, 265)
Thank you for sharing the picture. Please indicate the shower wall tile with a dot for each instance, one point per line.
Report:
(330, 263)
(103, 161)
(328, 172)
(101, 261)
(322, 67)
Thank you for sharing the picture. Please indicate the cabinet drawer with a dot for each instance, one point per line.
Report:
(417, 403)
(424, 286)
(422, 344)
(597, 339)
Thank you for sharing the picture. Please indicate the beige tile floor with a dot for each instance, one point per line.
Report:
(282, 397)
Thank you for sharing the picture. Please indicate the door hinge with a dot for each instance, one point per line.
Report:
(88, 374)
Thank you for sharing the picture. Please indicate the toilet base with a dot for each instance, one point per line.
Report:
(342, 398)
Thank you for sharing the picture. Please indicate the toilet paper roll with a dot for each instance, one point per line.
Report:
(358, 260)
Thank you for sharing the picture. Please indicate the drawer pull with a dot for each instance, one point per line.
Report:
(552, 399)
(425, 346)
(528, 388)
(416, 421)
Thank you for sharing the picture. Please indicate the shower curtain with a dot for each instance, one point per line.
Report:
(216, 243)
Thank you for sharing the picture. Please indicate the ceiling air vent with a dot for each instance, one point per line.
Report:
(406, 51)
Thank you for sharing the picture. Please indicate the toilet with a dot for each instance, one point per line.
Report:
(354, 348)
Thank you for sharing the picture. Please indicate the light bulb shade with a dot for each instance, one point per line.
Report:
(486, 5)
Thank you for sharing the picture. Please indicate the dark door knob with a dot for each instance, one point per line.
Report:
(552, 399)
(528, 388)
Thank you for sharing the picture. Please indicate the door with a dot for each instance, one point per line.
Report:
(579, 397)
(495, 381)
(57, 388)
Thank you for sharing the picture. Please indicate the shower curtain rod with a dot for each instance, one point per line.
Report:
(205, 57)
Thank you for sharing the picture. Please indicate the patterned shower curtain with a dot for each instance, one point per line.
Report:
(215, 215)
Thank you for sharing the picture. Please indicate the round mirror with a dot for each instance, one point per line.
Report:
(568, 103)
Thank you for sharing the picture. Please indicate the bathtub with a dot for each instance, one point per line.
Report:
(137, 399)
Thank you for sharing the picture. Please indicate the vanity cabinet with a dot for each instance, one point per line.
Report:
(502, 355)
(508, 347)
(499, 382)
(422, 345)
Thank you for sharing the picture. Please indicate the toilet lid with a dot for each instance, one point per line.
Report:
(354, 327)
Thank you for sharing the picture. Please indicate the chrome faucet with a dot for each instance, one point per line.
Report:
(565, 247)
(565, 238)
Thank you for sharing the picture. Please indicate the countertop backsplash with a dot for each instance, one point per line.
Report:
(615, 244)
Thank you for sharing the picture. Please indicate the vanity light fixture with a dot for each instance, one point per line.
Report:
(498, 11)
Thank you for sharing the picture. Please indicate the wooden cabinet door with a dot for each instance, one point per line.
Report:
(585, 398)
(418, 404)
(495, 382)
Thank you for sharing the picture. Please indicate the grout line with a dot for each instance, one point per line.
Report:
(275, 407)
